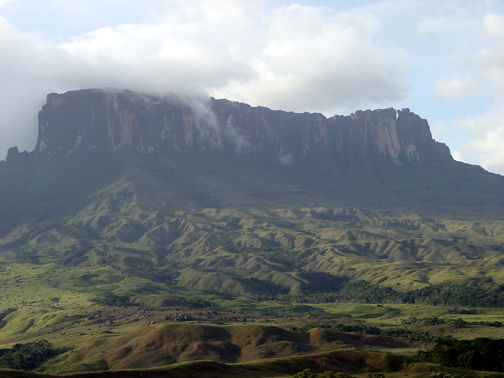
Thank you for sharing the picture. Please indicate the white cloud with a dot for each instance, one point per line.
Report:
(313, 62)
(490, 149)
(458, 155)
(437, 130)
(489, 64)
(442, 25)
(494, 25)
(455, 88)
(4, 2)
(475, 35)
(294, 57)
(479, 52)
(488, 138)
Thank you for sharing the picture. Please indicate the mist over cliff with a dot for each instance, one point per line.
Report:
(103, 121)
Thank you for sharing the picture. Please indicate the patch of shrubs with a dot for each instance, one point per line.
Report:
(27, 356)
(185, 302)
(307, 373)
(456, 323)
(393, 332)
(424, 321)
(478, 354)
(110, 299)
(473, 293)
(463, 311)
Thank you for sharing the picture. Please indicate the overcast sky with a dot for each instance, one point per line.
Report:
(442, 59)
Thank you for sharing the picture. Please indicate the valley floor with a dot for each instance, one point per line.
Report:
(366, 337)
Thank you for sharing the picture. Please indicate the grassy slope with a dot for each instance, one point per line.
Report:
(354, 362)
(150, 218)
(252, 251)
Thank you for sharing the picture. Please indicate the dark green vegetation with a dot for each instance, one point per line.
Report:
(27, 356)
(477, 354)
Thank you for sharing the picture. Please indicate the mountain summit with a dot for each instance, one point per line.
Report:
(104, 121)
(180, 152)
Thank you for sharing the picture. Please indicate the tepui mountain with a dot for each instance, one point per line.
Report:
(184, 151)
(218, 196)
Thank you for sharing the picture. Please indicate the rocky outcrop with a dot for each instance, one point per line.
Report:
(105, 121)
(12, 154)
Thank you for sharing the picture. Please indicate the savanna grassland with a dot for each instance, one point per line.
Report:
(116, 286)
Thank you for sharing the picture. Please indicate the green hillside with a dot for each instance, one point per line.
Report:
(137, 226)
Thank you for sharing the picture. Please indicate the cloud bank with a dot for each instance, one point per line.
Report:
(482, 63)
(455, 88)
(294, 58)
(488, 140)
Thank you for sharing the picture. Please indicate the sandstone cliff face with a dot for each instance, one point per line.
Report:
(105, 121)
